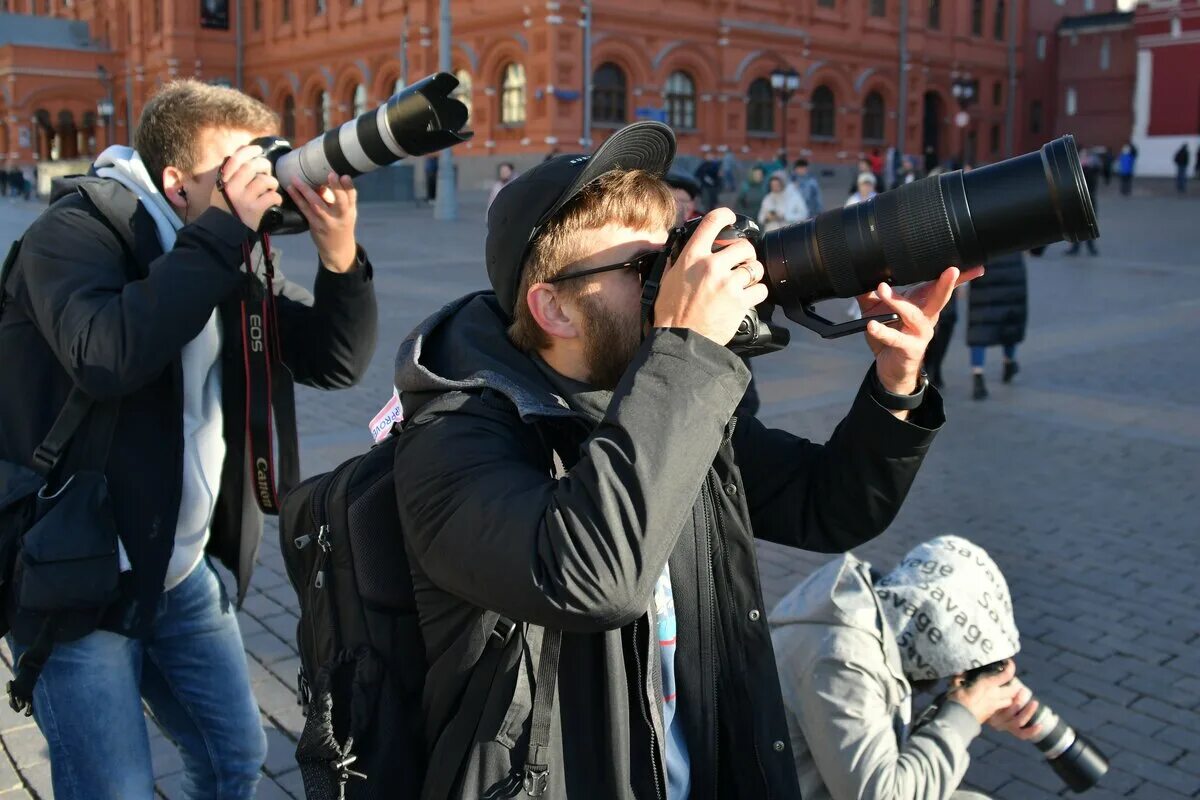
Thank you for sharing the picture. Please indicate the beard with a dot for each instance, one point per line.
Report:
(612, 340)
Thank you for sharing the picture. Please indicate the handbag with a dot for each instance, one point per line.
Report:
(59, 563)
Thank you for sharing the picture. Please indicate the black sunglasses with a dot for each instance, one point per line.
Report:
(642, 264)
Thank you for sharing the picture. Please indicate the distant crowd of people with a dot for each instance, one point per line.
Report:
(17, 182)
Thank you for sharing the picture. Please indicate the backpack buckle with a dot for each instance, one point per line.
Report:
(303, 692)
(503, 631)
(537, 779)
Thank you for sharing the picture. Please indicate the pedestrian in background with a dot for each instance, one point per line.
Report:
(865, 189)
(431, 172)
(729, 171)
(754, 189)
(782, 206)
(708, 175)
(1181, 165)
(997, 307)
(808, 186)
(504, 173)
(685, 191)
(1125, 170)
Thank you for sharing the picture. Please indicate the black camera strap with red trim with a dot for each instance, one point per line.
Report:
(270, 402)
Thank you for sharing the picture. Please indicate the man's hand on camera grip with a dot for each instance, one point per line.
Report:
(331, 215)
(900, 350)
(248, 184)
(709, 292)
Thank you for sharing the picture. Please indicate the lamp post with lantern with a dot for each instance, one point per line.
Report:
(104, 108)
(965, 90)
(784, 82)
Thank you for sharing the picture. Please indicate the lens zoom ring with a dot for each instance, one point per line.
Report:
(915, 231)
(835, 255)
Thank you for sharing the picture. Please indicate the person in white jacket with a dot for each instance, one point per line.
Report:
(783, 205)
(866, 189)
(850, 646)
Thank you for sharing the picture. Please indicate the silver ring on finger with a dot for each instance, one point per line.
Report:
(750, 272)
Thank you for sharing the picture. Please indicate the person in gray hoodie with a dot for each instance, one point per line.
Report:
(851, 645)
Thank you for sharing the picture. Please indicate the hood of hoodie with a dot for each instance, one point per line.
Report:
(839, 594)
(465, 347)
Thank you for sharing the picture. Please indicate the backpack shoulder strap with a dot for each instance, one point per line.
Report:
(6, 270)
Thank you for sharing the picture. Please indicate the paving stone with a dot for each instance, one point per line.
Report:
(293, 783)
(26, 747)
(267, 647)
(9, 779)
(38, 780)
(281, 752)
(1158, 773)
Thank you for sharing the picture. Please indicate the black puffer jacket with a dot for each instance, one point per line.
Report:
(668, 476)
(95, 302)
(997, 303)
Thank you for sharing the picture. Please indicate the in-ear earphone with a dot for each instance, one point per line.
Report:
(183, 193)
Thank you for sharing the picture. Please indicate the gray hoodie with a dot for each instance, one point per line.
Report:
(848, 703)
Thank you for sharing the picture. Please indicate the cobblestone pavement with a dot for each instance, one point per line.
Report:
(1081, 478)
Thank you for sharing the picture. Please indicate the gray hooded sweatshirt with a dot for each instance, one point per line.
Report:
(849, 706)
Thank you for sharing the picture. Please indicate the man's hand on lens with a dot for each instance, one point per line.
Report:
(1018, 714)
(900, 350)
(249, 184)
(709, 292)
(988, 694)
(331, 215)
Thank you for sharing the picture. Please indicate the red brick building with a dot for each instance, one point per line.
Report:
(704, 66)
(1096, 72)
(1078, 73)
(1167, 97)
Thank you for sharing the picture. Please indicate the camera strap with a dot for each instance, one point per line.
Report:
(653, 281)
(260, 355)
(270, 404)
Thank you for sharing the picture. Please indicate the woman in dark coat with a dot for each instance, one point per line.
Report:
(996, 311)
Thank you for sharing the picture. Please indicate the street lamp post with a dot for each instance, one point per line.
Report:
(446, 204)
(964, 89)
(105, 107)
(785, 82)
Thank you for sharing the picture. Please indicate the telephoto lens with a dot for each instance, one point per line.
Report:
(421, 119)
(1073, 758)
(914, 232)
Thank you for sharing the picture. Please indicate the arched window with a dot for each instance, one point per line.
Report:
(760, 107)
(608, 94)
(821, 116)
(360, 100)
(998, 22)
(464, 90)
(512, 96)
(872, 122)
(289, 118)
(679, 96)
(935, 14)
(977, 17)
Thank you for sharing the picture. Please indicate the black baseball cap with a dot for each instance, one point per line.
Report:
(529, 201)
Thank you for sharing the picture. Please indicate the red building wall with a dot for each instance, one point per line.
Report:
(1167, 96)
(1103, 94)
(723, 47)
(1039, 80)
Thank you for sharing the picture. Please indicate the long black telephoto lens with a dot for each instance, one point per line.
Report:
(914, 232)
(1075, 760)
(420, 119)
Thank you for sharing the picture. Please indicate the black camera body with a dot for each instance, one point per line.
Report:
(421, 119)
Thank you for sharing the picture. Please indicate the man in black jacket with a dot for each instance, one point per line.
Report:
(566, 470)
(133, 286)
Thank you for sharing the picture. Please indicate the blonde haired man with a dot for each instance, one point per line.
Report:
(130, 287)
(633, 549)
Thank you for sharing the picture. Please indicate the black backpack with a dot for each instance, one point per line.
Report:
(362, 657)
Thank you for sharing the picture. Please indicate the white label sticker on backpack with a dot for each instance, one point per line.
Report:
(388, 416)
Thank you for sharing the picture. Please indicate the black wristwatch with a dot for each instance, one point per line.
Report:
(898, 402)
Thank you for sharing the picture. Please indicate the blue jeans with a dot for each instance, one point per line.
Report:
(192, 674)
(979, 354)
(1181, 178)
